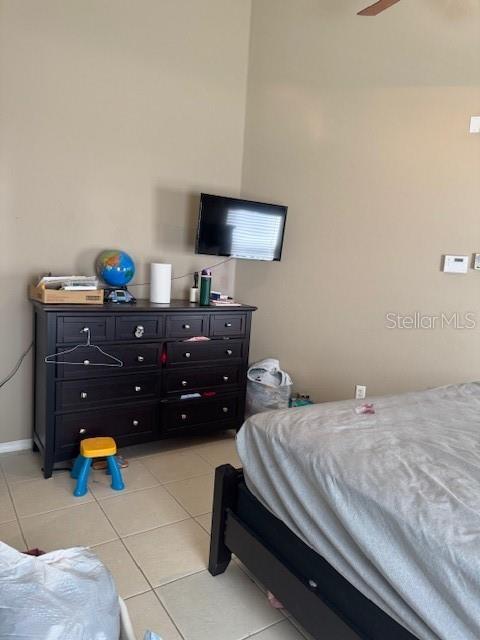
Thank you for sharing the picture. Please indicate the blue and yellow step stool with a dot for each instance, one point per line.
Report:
(91, 448)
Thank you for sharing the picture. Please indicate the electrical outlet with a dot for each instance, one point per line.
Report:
(475, 124)
(360, 391)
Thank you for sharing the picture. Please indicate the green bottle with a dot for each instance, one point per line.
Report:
(205, 287)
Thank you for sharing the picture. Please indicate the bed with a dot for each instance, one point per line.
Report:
(365, 523)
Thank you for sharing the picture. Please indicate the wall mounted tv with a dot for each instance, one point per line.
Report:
(240, 228)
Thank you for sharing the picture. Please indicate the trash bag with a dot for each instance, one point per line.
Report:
(268, 387)
(63, 594)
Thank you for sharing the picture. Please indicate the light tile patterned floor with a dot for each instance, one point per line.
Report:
(153, 537)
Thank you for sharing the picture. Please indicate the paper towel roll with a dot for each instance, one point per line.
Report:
(160, 282)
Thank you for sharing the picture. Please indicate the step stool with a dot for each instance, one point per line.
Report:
(91, 448)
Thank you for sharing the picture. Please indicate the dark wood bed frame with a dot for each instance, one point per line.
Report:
(323, 602)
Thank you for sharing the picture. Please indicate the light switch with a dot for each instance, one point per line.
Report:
(475, 124)
(455, 264)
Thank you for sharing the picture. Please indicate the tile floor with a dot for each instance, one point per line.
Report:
(153, 536)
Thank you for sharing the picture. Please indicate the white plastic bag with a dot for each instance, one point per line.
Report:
(62, 595)
(268, 387)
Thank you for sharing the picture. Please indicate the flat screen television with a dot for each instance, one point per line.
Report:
(240, 228)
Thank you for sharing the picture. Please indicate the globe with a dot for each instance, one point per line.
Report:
(115, 267)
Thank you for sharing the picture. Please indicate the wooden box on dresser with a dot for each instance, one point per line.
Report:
(141, 400)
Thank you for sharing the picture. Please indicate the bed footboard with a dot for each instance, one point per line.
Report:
(326, 604)
(231, 535)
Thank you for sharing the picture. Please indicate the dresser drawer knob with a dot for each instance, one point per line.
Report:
(86, 362)
(228, 324)
(184, 383)
(187, 354)
(225, 409)
(84, 395)
(186, 326)
(226, 378)
(138, 388)
(139, 331)
(82, 431)
(229, 352)
(184, 416)
(135, 423)
(140, 359)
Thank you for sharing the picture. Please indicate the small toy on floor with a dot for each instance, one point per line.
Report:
(274, 602)
(299, 400)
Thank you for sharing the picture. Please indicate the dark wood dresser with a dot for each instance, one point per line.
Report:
(139, 401)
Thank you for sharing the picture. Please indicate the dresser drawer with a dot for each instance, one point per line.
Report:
(70, 329)
(141, 356)
(139, 327)
(119, 423)
(186, 326)
(81, 394)
(185, 352)
(186, 414)
(183, 380)
(229, 325)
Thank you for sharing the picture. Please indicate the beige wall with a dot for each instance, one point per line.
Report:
(115, 113)
(112, 114)
(361, 127)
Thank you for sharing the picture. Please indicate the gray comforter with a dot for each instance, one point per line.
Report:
(391, 500)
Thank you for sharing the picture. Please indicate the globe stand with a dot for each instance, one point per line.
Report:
(118, 295)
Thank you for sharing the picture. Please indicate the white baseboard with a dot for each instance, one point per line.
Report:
(15, 445)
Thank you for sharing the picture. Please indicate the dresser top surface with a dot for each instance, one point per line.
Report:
(140, 306)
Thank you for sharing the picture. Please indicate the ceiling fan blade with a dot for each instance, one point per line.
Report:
(378, 7)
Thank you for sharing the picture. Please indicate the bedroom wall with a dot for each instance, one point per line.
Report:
(113, 115)
(361, 126)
